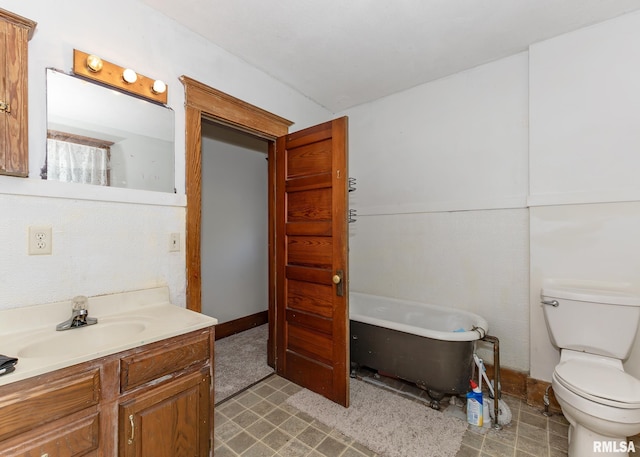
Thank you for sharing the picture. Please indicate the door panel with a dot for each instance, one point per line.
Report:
(310, 298)
(310, 159)
(311, 247)
(310, 251)
(170, 421)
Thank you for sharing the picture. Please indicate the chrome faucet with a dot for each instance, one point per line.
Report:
(79, 315)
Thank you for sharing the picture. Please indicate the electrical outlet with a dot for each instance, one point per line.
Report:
(40, 241)
(174, 242)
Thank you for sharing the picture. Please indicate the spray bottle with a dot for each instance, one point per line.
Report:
(474, 405)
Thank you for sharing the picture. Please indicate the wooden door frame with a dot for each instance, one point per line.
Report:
(202, 101)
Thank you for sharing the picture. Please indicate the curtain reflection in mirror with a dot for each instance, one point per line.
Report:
(76, 162)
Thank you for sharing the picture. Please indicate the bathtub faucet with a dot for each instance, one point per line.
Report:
(482, 332)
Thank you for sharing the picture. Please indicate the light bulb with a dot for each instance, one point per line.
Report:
(159, 87)
(129, 76)
(94, 63)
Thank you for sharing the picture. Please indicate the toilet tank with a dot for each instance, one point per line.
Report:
(593, 321)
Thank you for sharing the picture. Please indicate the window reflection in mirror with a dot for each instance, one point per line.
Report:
(97, 135)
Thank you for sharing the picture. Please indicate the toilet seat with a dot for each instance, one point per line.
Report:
(599, 383)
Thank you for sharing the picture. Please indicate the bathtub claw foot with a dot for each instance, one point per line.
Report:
(435, 405)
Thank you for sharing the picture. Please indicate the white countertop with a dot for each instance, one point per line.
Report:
(125, 321)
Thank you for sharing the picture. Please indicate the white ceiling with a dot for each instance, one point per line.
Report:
(341, 53)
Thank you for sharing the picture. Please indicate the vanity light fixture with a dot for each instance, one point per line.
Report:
(129, 76)
(90, 66)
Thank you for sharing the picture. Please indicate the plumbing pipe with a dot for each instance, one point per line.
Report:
(545, 399)
(496, 368)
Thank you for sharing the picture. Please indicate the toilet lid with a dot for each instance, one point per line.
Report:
(600, 383)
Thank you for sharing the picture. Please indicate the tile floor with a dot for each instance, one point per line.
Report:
(529, 434)
(258, 422)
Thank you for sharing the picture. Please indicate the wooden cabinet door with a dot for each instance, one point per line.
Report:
(168, 421)
(312, 312)
(15, 31)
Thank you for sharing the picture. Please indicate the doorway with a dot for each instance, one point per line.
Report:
(307, 236)
(205, 103)
(234, 243)
(234, 247)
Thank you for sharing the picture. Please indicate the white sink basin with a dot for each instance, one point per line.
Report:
(80, 340)
(125, 320)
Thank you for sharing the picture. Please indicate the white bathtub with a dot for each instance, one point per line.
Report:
(432, 321)
(429, 345)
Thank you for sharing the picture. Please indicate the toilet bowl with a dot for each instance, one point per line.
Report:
(601, 403)
(594, 331)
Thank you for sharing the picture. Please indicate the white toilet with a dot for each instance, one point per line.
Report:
(594, 331)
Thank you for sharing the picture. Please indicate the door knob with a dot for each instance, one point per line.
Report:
(337, 280)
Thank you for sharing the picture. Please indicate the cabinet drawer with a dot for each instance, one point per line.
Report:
(74, 439)
(147, 366)
(25, 410)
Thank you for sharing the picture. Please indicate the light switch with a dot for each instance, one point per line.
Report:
(174, 242)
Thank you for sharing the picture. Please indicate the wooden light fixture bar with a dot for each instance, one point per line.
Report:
(113, 75)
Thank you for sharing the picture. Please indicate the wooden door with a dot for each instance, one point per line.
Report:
(312, 313)
(15, 31)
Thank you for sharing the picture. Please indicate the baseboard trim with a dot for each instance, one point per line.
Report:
(241, 324)
(521, 385)
(512, 382)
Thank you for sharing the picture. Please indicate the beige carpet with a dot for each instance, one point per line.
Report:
(240, 361)
(386, 423)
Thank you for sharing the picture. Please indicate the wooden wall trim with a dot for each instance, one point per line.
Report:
(232, 111)
(20, 21)
(271, 195)
(521, 385)
(512, 382)
(193, 166)
(79, 139)
(241, 324)
(204, 101)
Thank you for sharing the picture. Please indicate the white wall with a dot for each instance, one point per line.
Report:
(459, 143)
(585, 138)
(234, 224)
(591, 243)
(109, 240)
(522, 167)
(441, 198)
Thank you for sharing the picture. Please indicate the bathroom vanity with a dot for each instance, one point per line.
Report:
(143, 389)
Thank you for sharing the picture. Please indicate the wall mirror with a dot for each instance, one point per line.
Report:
(97, 135)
